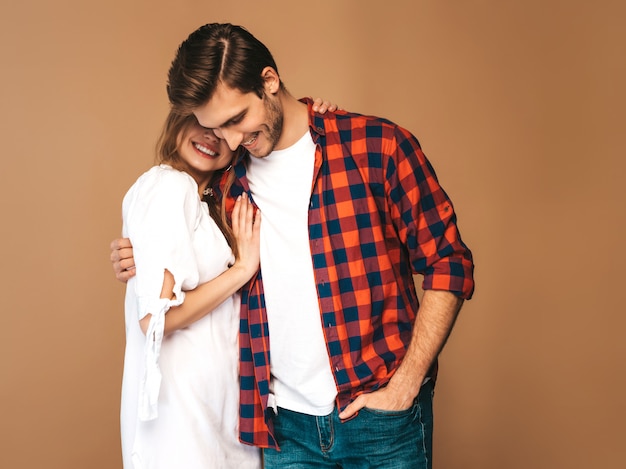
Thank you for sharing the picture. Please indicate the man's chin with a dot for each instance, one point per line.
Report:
(260, 155)
(259, 151)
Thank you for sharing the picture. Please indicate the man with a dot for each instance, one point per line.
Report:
(352, 210)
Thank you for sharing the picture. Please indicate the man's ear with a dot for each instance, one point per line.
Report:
(271, 80)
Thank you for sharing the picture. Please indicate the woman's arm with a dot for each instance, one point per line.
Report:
(208, 296)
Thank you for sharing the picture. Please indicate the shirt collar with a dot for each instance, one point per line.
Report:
(316, 120)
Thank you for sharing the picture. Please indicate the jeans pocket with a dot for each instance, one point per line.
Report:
(387, 427)
(390, 413)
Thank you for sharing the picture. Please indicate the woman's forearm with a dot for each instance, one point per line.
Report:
(200, 301)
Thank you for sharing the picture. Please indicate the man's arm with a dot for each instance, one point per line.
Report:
(433, 324)
(122, 259)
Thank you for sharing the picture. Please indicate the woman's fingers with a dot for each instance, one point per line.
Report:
(243, 218)
(322, 105)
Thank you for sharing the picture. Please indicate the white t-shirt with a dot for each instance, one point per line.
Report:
(281, 186)
(180, 393)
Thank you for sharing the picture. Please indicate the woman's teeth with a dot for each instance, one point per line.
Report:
(204, 149)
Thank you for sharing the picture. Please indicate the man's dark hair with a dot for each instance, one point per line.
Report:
(214, 53)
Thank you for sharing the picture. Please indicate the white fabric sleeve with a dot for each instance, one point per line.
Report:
(161, 212)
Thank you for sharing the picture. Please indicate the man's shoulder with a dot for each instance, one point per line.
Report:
(349, 119)
(356, 126)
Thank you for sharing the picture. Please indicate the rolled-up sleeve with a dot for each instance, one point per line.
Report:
(426, 220)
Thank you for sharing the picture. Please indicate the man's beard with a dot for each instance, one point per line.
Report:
(274, 122)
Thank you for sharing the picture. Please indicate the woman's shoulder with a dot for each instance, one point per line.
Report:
(165, 173)
(162, 181)
(165, 177)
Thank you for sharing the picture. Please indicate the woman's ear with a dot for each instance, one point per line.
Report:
(271, 80)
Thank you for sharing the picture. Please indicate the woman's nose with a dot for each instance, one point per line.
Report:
(210, 135)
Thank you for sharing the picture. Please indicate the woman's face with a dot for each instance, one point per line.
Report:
(202, 152)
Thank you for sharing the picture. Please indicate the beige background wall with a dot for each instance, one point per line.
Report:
(520, 107)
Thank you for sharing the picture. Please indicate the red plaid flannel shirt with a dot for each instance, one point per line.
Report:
(377, 216)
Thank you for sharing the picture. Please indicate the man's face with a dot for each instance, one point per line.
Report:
(243, 119)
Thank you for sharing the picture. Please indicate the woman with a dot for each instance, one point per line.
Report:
(180, 389)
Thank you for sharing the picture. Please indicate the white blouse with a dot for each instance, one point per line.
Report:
(181, 390)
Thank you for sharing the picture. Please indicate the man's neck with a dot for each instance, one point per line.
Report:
(295, 121)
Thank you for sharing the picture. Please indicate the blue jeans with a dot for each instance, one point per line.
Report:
(372, 439)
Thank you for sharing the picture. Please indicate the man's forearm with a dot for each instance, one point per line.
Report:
(434, 322)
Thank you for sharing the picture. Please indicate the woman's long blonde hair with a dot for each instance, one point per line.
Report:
(167, 152)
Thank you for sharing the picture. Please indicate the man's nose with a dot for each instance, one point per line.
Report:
(233, 138)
